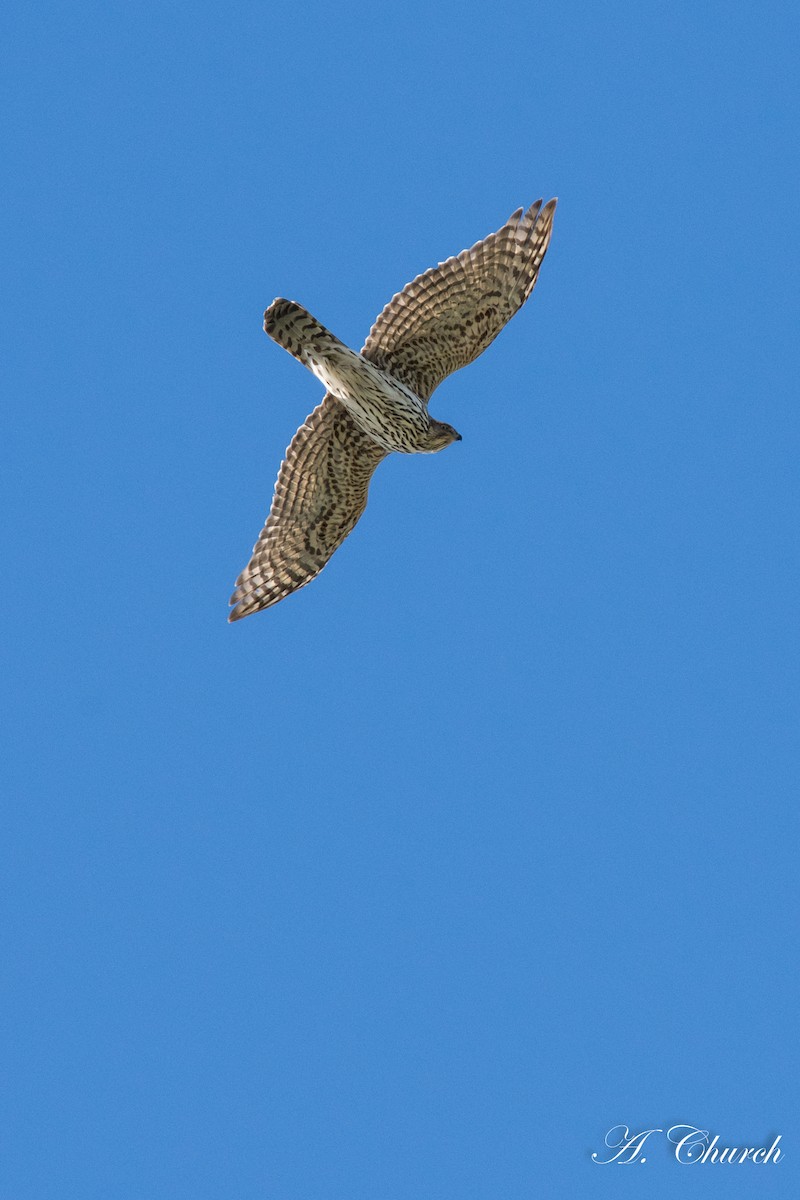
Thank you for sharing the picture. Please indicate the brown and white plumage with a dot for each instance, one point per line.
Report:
(377, 401)
(446, 317)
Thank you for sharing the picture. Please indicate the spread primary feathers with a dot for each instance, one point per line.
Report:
(377, 401)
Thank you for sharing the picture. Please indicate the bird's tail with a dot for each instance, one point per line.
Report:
(337, 367)
(292, 327)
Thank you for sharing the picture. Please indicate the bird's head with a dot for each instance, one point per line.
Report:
(440, 435)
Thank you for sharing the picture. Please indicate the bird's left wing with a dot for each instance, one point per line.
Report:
(446, 317)
(320, 494)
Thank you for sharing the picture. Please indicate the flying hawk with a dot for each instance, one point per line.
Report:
(377, 401)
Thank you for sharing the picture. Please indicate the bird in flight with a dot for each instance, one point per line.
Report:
(376, 402)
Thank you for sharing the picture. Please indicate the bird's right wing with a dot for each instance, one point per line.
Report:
(447, 316)
(320, 494)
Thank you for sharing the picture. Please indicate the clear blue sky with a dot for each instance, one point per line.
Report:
(416, 884)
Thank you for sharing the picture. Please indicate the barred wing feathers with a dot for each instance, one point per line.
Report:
(446, 317)
(320, 494)
(438, 323)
